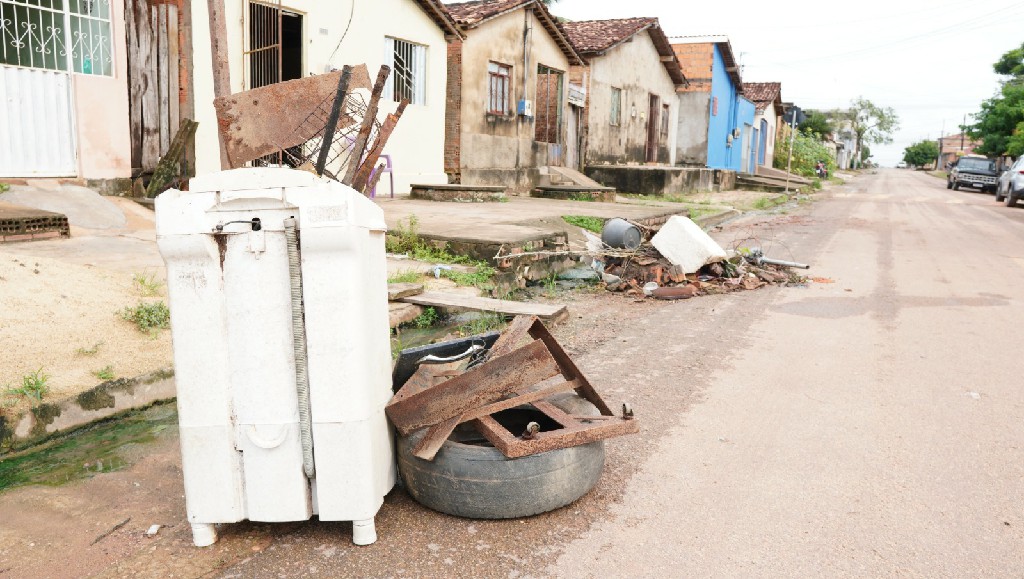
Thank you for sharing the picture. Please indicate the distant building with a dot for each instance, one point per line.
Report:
(767, 99)
(955, 146)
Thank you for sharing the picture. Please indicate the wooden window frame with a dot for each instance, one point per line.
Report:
(499, 102)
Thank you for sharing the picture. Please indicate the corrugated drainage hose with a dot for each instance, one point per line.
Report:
(299, 343)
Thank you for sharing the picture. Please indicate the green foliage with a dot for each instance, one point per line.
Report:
(921, 153)
(105, 373)
(865, 153)
(147, 285)
(34, 386)
(807, 151)
(871, 123)
(428, 318)
(405, 238)
(1000, 123)
(485, 322)
(4, 187)
(593, 224)
(817, 125)
(148, 317)
(764, 203)
(83, 351)
(480, 277)
(587, 197)
(407, 276)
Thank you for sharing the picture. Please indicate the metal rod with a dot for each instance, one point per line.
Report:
(332, 121)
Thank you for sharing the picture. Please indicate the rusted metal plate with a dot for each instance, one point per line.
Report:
(482, 385)
(575, 431)
(513, 335)
(265, 120)
(437, 434)
(569, 370)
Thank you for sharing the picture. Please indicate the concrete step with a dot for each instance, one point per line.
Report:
(780, 176)
(575, 193)
(568, 175)
(746, 183)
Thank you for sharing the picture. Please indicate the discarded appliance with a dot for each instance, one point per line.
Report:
(282, 356)
(477, 440)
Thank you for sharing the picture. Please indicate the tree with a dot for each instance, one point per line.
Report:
(921, 153)
(1000, 123)
(818, 124)
(871, 123)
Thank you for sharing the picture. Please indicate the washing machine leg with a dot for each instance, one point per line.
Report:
(364, 532)
(203, 535)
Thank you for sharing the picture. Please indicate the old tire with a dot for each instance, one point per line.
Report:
(1011, 197)
(949, 184)
(471, 479)
(956, 186)
(999, 196)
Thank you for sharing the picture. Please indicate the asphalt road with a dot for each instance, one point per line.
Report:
(869, 427)
(870, 424)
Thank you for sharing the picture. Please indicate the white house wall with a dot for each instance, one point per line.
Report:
(636, 68)
(768, 115)
(417, 145)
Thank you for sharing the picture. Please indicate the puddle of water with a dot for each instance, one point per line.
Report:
(105, 447)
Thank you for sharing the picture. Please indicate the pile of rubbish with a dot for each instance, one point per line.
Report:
(682, 261)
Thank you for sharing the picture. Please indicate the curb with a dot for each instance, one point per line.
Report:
(102, 402)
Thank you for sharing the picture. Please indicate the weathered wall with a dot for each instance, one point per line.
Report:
(658, 181)
(635, 67)
(101, 112)
(417, 145)
(500, 149)
(692, 128)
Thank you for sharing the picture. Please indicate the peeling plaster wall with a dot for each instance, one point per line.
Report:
(417, 145)
(692, 129)
(636, 68)
(500, 149)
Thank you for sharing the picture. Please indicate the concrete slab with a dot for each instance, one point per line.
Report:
(83, 206)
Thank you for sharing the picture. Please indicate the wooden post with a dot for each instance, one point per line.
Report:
(221, 71)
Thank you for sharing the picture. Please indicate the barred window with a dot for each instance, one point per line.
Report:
(64, 35)
(616, 117)
(408, 64)
(499, 88)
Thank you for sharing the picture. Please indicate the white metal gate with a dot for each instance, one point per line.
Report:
(37, 138)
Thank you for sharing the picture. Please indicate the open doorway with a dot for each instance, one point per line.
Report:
(274, 51)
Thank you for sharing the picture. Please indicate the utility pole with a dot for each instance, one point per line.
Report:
(963, 129)
(221, 71)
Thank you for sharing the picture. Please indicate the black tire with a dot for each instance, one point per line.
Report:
(474, 480)
(1011, 197)
(999, 198)
(956, 186)
(949, 184)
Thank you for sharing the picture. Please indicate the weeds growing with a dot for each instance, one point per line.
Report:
(148, 317)
(34, 386)
(407, 276)
(147, 285)
(593, 224)
(106, 373)
(83, 351)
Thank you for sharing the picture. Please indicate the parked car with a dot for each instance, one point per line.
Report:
(901, 165)
(1011, 183)
(973, 171)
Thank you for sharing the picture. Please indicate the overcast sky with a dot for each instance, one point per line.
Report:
(931, 61)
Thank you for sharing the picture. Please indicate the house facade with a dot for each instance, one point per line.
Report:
(64, 107)
(953, 147)
(508, 94)
(272, 42)
(712, 114)
(767, 99)
(630, 82)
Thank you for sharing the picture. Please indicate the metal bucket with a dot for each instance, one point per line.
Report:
(620, 233)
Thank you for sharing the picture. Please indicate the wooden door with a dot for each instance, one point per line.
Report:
(652, 129)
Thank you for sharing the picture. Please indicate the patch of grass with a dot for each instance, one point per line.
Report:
(485, 323)
(4, 187)
(34, 386)
(405, 238)
(593, 224)
(763, 203)
(581, 197)
(428, 318)
(148, 317)
(407, 276)
(83, 351)
(479, 278)
(147, 285)
(698, 212)
(106, 373)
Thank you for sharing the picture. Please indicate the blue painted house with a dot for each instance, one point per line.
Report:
(716, 124)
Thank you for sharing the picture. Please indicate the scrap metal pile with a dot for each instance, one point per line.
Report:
(525, 365)
(681, 261)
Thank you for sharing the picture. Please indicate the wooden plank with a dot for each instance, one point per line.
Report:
(219, 51)
(482, 385)
(397, 291)
(135, 79)
(437, 434)
(546, 312)
(363, 174)
(364, 130)
(163, 78)
(150, 97)
(173, 68)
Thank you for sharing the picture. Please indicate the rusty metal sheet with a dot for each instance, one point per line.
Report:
(265, 120)
(569, 370)
(484, 384)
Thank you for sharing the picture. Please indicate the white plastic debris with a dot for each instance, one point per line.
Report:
(152, 530)
(685, 244)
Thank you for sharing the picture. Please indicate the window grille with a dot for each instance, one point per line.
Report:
(263, 54)
(616, 116)
(408, 64)
(62, 35)
(499, 88)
